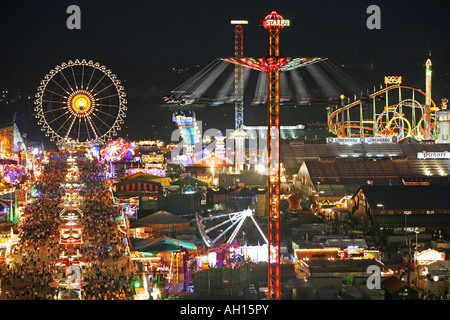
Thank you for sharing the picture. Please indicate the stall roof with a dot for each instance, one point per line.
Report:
(393, 284)
(348, 265)
(440, 267)
(140, 175)
(345, 243)
(159, 218)
(413, 220)
(160, 244)
(241, 193)
(189, 181)
(432, 197)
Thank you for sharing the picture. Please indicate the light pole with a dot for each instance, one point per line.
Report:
(406, 233)
(416, 232)
(415, 255)
(212, 175)
(318, 195)
(408, 244)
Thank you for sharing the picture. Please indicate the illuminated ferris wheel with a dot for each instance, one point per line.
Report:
(80, 101)
(229, 222)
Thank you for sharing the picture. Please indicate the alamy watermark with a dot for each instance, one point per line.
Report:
(192, 146)
(374, 20)
(74, 20)
(73, 276)
(374, 280)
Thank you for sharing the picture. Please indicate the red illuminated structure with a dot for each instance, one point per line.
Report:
(273, 64)
(273, 144)
(239, 133)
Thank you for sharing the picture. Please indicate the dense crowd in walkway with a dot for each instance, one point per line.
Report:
(108, 274)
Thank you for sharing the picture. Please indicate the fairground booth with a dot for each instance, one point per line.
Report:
(71, 234)
(137, 186)
(423, 261)
(8, 238)
(158, 223)
(163, 260)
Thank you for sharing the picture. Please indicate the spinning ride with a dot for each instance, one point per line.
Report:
(118, 149)
(80, 101)
(273, 65)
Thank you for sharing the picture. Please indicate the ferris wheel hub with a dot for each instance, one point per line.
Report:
(81, 103)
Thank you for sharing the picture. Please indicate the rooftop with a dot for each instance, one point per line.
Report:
(431, 197)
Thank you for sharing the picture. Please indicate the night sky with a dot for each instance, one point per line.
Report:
(141, 41)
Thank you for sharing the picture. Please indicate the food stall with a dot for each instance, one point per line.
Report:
(426, 257)
(7, 239)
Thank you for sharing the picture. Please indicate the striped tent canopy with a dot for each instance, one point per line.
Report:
(146, 176)
(131, 186)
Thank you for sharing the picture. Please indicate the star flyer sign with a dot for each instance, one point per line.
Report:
(276, 23)
(274, 20)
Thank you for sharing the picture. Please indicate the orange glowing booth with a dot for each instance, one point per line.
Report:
(351, 252)
(424, 258)
(317, 254)
(8, 238)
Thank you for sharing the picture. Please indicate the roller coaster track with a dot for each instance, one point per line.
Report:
(381, 126)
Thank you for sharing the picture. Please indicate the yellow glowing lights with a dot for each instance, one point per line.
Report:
(81, 102)
(239, 21)
(393, 80)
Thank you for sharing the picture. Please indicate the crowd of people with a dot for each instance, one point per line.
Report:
(108, 274)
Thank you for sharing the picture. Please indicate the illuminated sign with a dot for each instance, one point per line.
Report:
(239, 22)
(429, 256)
(393, 79)
(158, 158)
(157, 143)
(5, 242)
(160, 172)
(367, 140)
(276, 23)
(135, 255)
(433, 155)
(443, 114)
(299, 126)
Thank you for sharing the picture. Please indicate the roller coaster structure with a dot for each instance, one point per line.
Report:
(402, 116)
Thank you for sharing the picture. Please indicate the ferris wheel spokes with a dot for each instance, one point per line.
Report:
(70, 128)
(113, 95)
(236, 220)
(94, 128)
